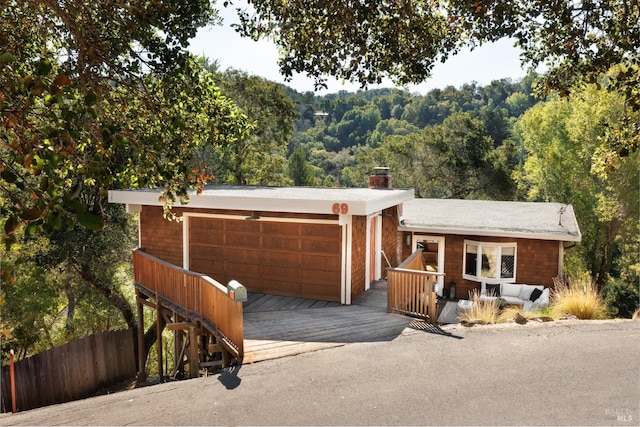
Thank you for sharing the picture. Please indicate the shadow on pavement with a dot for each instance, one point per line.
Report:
(229, 377)
(421, 325)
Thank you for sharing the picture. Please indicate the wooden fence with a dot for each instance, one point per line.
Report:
(200, 296)
(411, 289)
(73, 371)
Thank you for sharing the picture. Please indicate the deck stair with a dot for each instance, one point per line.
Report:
(206, 323)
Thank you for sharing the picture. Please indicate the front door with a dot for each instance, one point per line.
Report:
(433, 255)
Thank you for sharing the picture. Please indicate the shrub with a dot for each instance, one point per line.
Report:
(578, 296)
(545, 312)
(622, 298)
(485, 311)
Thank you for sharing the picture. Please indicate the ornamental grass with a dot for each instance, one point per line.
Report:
(483, 311)
(508, 314)
(579, 297)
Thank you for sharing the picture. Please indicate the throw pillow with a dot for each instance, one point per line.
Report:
(543, 301)
(535, 294)
(510, 290)
(493, 290)
(525, 292)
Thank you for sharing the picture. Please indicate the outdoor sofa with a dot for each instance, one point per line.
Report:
(529, 296)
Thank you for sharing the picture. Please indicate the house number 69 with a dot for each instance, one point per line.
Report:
(340, 208)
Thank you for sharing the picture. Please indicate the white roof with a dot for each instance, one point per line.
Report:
(532, 220)
(358, 201)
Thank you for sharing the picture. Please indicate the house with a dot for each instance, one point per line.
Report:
(332, 243)
(472, 241)
(321, 243)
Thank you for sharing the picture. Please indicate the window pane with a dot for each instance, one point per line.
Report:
(507, 264)
(489, 261)
(471, 260)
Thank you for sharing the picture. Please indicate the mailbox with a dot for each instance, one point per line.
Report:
(236, 291)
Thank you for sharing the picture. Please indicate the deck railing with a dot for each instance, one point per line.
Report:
(411, 289)
(201, 297)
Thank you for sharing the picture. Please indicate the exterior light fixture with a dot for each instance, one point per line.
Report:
(254, 216)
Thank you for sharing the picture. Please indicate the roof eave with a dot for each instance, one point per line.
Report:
(291, 205)
(568, 237)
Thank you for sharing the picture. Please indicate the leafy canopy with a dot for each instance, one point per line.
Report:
(569, 160)
(101, 95)
(366, 41)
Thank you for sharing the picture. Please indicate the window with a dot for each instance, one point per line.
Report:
(495, 261)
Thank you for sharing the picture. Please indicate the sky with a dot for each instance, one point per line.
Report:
(483, 65)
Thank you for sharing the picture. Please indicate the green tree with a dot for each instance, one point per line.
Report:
(357, 125)
(259, 158)
(366, 41)
(570, 160)
(94, 96)
(462, 161)
(517, 103)
(385, 128)
(453, 160)
(101, 95)
(29, 302)
(299, 169)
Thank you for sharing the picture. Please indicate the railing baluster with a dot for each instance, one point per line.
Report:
(411, 289)
(190, 290)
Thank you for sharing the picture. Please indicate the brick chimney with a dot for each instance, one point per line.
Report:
(380, 178)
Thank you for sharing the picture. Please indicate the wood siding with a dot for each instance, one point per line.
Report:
(392, 239)
(160, 237)
(537, 260)
(280, 258)
(291, 259)
(358, 256)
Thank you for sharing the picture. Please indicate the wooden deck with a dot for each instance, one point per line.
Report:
(277, 326)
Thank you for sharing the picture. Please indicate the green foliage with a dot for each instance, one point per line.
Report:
(565, 141)
(101, 95)
(259, 156)
(367, 41)
(452, 160)
(46, 297)
(29, 300)
(350, 124)
(354, 40)
(356, 126)
(389, 127)
(622, 298)
(299, 170)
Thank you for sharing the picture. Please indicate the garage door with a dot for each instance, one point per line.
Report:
(292, 259)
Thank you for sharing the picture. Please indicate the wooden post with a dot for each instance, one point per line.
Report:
(142, 369)
(159, 338)
(431, 280)
(194, 360)
(177, 347)
(12, 376)
(225, 357)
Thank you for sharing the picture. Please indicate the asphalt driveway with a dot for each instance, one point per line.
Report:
(559, 373)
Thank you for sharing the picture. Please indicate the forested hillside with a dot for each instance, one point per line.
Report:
(450, 142)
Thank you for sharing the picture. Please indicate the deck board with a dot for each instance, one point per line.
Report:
(277, 327)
